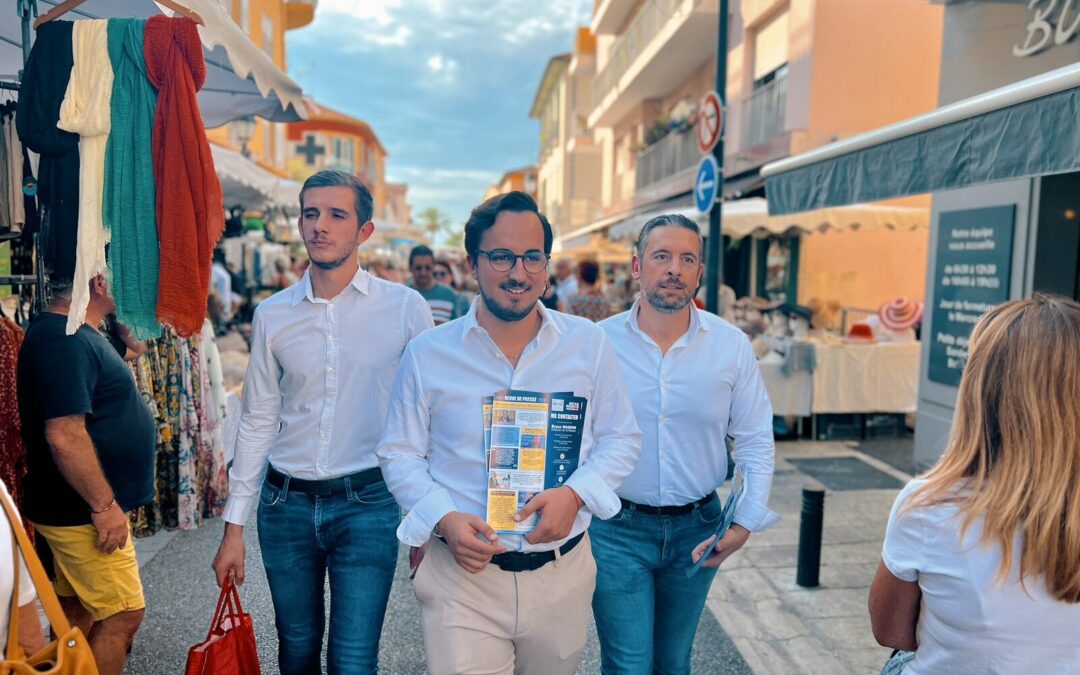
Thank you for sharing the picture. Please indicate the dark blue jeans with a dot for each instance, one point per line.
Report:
(646, 609)
(351, 536)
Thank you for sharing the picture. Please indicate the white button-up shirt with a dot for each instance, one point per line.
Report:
(318, 382)
(686, 402)
(432, 452)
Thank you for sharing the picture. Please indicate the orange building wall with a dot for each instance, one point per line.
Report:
(885, 54)
(863, 268)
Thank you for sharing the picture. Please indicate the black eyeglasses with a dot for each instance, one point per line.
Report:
(503, 260)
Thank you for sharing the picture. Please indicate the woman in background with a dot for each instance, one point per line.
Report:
(980, 569)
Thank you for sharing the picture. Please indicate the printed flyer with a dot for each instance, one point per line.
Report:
(532, 442)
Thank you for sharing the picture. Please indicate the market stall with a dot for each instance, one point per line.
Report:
(106, 200)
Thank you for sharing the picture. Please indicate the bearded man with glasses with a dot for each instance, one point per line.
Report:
(504, 603)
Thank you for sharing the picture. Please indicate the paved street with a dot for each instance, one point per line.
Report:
(181, 596)
(774, 626)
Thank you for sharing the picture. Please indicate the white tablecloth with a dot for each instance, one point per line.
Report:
(856, 378)
(788, 395)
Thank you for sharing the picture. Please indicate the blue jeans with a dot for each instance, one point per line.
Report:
(351, 535)
(646, 609)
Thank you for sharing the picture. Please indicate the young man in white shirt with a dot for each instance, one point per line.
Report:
(694, 380)
(323, 356)
(504, 603)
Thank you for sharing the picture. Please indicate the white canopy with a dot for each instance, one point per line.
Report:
(241, 79)
(245, 182)
(750, 218)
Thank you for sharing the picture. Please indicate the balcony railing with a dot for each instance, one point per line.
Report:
(763, 113)
(666, 158)
(630, 44)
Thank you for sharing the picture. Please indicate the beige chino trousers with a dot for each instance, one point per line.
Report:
(502, 623)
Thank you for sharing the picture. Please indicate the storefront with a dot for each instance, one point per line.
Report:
(1001, 156)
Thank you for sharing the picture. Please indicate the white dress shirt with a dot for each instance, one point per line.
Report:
(307, 356)
(432, 452)
(686, 402)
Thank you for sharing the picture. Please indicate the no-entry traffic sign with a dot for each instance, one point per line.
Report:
(710, 125)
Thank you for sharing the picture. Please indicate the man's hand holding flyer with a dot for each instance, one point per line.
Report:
(532, 441)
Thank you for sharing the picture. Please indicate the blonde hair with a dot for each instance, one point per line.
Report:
(1015, 442)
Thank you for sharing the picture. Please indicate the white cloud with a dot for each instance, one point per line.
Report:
(365, 10)
(399, 38)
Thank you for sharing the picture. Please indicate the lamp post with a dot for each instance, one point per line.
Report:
(244, 129)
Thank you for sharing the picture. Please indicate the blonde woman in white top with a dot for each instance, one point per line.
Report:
(980, 569)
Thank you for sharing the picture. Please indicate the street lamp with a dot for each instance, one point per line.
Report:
(244, 129)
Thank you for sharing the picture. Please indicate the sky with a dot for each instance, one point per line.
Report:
(447, 85)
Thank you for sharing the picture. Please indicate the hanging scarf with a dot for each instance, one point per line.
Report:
(129, 201)
(190, 214)
(45, 80)
(85, 111)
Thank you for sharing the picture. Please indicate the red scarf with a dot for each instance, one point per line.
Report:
(190, 215)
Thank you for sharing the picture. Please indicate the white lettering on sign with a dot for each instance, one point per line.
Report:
(1043, 28)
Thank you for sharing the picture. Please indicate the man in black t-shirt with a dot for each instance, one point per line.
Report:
(90, 448)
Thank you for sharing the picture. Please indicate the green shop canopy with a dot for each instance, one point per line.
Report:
(1028, 128)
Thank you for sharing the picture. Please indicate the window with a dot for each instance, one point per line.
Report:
(770, 49)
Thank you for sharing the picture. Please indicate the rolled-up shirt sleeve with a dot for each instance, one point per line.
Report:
(750, 428)
(403, 457)
(616, 439)
(260, 421)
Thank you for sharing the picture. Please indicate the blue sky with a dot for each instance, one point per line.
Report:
(446, 84)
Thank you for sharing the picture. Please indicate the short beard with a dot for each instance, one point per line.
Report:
(503, 313)
(331, 264)
(660, 304)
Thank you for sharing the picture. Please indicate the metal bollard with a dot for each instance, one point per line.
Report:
(813, 512)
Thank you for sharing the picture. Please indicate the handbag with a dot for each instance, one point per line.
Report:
(70, 653)
(229, 647)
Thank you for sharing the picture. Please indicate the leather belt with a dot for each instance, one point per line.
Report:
(668, 510)
(324, 488)
(527, 562)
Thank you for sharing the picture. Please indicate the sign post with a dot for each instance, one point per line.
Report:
(714, 270)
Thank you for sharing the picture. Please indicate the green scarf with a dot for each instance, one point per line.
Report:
(130, 198)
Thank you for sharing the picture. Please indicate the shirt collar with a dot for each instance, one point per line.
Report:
(696, 323)
(303, 291)
(549, 320)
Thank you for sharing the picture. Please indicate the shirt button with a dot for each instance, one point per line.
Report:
(330, 337)
(663, 419)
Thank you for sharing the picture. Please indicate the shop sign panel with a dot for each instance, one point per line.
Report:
(971, 275)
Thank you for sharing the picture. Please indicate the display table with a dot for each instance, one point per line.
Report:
(848, 378)
(863, 378)
(790, 396)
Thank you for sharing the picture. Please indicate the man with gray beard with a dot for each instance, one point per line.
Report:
(694, 381)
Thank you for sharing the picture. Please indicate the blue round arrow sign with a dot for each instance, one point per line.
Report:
(706, 184)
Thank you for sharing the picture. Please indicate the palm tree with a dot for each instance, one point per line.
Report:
(435, 222)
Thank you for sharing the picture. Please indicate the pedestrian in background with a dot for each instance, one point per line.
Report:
(323, 357)
(980, 569)
(440, 297)
(694, 381)
(91, 444)
(588, 301)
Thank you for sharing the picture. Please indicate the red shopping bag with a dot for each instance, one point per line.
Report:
(229, 647)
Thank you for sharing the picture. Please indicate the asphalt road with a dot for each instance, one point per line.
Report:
(181, 596)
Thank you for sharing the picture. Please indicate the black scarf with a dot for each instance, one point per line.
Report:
(44, 84)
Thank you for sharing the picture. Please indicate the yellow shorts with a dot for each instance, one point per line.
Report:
(104, 584)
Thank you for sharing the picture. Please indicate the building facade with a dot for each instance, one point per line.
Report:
(523, 179)
(801, 74)
(329, 139)
(569, 167)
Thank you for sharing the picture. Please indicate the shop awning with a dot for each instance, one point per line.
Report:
(241, 79)
(246, 183)
(750, 218)
(1024, 129)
